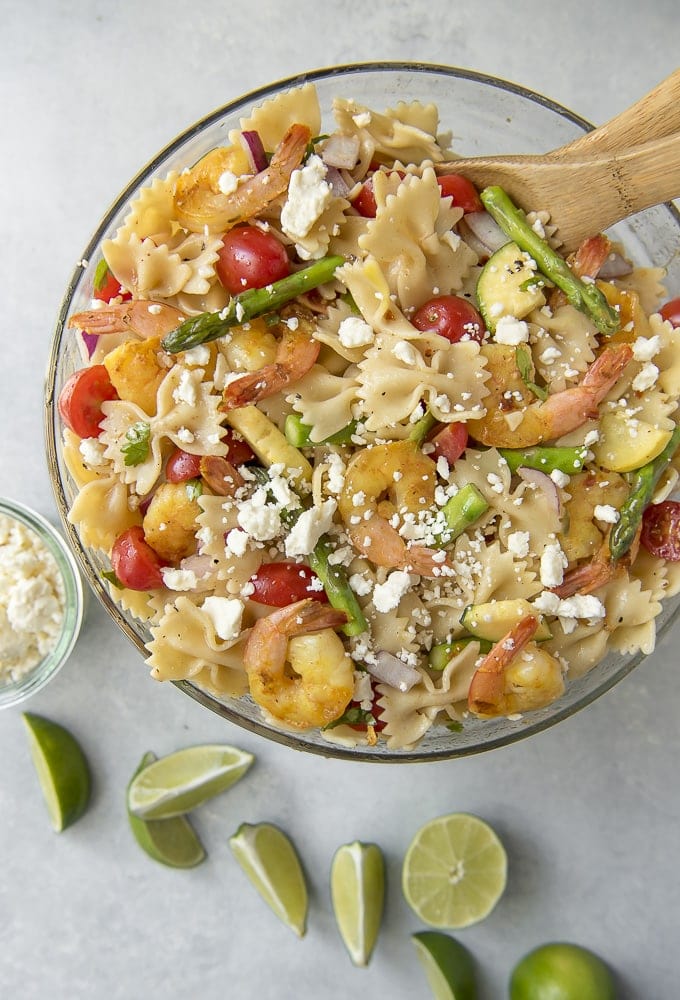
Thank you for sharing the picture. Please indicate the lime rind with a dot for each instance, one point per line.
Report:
(62, 768)
(454, 871)
(183, 780)
(448, 965)
(172, 842)
(358, 897)
(271, 863)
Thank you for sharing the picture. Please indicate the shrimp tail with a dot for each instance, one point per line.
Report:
(487, 687)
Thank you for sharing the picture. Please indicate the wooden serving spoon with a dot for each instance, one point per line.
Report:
(597, 180)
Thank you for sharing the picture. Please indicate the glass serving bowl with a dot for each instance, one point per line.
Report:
(485, 115)
(14, 690)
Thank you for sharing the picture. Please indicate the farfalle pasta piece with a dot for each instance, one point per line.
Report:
(389, 136)
(101, 512)
(186, 413)
(630, 614)
(325, 402)
(145, 269)
(397, 376)
(273, 117)
(563, 344)
(371, 293)
(413, 236)
(151, 213)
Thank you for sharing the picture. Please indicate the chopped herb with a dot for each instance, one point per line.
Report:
(194, 488)
(109, 575)
(525, 367)
(101, 275)
(455, 727)
(272, 319)
(354, 716)
(136, 450)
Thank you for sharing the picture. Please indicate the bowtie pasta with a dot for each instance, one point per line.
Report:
(357, 457)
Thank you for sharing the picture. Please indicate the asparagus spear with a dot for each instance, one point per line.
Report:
(462, 510)
(643, 484)
(586, 297)
(249, 304)
(422, 428)
(336, 585)
(298, 433)
(567, 460)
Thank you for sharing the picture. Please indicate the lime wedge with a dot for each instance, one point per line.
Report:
(454, 871)
(175, 784)
(172, 842)
(448, 965)
(270, 861)
(62, 769)
(561, 971)
(358, 896)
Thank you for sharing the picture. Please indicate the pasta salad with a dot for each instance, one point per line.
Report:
(360, 442)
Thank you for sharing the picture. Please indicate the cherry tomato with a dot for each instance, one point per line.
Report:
(660, 533)
(182, 466)
(376, 712)
(450, 442)
(365, 202)
(279, 584)
(239, 451)
(80, 400)
(450, 316)
(250, 258)
(462, 191)
(671, 312)
(134, 562)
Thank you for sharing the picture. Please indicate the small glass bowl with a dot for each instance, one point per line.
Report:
(14, 691)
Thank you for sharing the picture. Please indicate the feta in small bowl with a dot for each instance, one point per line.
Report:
(41, 602)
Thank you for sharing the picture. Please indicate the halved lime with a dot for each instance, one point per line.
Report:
(62, 768)
(454, 871)
(175, 784)
(561, 971)
(358, 896)
(270, 861)
(172, 842)
(448, 965)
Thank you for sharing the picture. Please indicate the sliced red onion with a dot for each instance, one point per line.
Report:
(485, 229)
(615, 266)
(199, 564)
(337, 182)
(341, 151)
(255, 149)
(391, 670)
(90, 341)
(543, 482)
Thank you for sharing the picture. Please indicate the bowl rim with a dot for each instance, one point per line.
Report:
(294, 740)
(37, 677)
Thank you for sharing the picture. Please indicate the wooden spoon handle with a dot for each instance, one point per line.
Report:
(654, 116)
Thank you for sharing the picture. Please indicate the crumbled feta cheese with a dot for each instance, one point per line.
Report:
(92, 450)
(227, 182)
(236, 541)
(198, 356)
(361, 585)
(336, 473)
(185, 435)
(518, 543)
(605, 512)
(185, 390)
(553, 564)
(309, 528)
(386, 596)
(645, 348)
(646, 377)
(262, 521)
(511, 331)
(31, 599)
(559, 478)
(225, 614)
(308, 195)
(179, 579)
(355, 332)
(406, 352)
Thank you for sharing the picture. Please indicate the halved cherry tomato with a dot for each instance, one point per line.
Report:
(671, 312)
(450, 316)
(660, 533)
(182, 466)
(250, 258)
(450, 442)
(80, 400)
(282, 583)
(134, 562)
(462, 191)
(239, 451)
